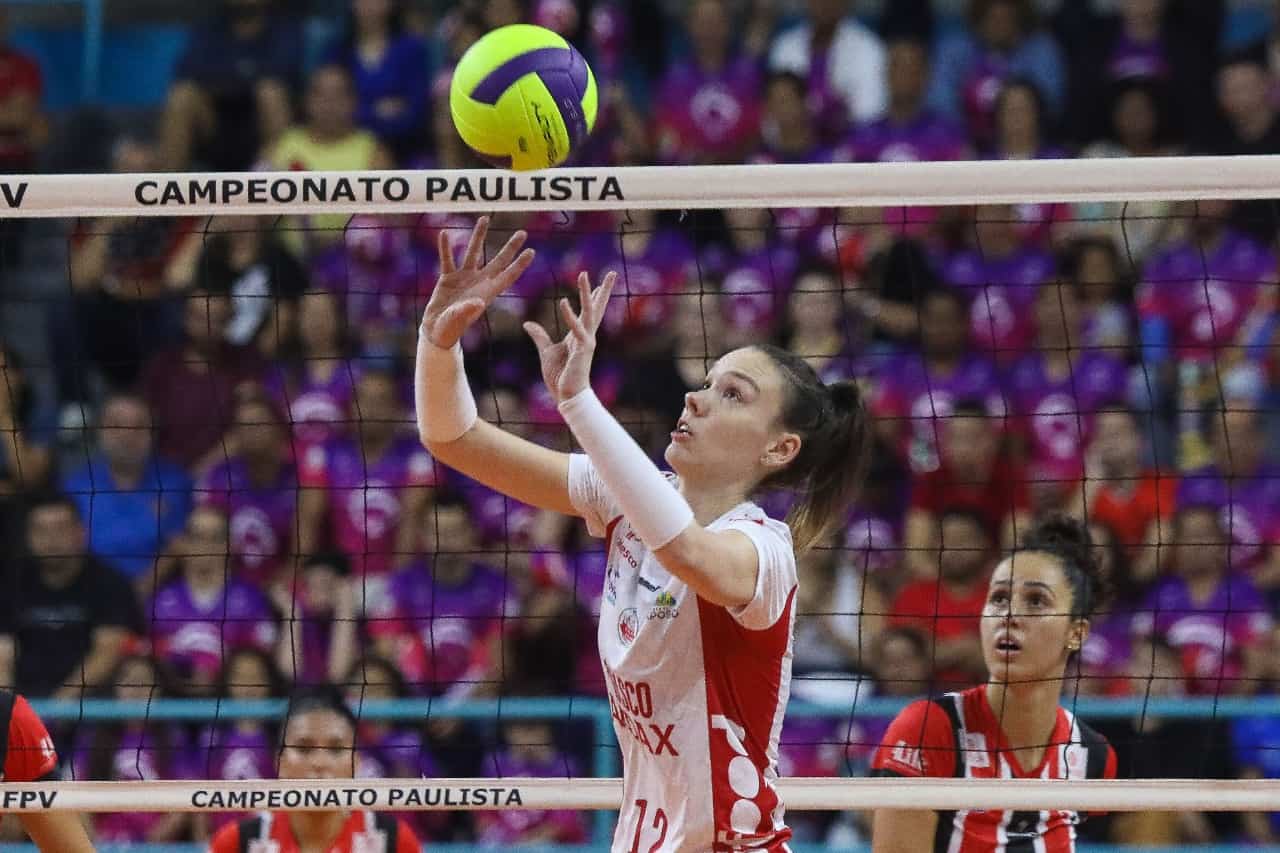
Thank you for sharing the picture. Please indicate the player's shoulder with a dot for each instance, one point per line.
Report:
(227, 839)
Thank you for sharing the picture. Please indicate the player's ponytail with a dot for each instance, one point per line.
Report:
(832, 423)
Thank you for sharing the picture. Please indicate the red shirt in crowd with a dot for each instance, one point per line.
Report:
(928, 606)
(1130, 514)
(27, 754)
(19, 76)
(996, 499)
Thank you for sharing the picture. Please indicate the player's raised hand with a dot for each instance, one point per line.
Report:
(463, 291)
(566, 364)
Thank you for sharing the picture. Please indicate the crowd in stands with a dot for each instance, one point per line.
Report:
(253, 508)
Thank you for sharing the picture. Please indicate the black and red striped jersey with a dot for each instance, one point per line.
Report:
(958, 735)
(26, 752)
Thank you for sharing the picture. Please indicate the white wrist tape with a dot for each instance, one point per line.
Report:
(446, 409)
(657, 512)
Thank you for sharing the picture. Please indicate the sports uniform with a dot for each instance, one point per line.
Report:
(697, 690)
(959, 735)
(363, 832)
(26, 753)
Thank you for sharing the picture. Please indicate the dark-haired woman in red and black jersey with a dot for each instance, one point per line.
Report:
(1036, 617)
(27, 755)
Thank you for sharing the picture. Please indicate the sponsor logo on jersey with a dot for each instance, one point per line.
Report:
(907, 756)
(666, 607)
(1077, 761)
(628, 626)
(647, 584)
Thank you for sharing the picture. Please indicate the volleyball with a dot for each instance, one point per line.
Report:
(523, 98)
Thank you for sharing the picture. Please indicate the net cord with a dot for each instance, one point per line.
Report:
(799, 794)
(842, 185)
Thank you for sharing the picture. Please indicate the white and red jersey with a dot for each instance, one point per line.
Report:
(958, 735)
(697, 690)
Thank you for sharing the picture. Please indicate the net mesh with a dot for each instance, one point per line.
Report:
(227, 404)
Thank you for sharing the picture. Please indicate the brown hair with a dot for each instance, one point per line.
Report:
(834, 431)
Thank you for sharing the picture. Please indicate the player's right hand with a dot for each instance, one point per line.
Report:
(464, 291)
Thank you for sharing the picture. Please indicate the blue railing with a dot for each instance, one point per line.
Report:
(93, 29)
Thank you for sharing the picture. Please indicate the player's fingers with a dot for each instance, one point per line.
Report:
(513, 271)
(460, 315)
(539, 335)
(573, 322)
(600, 298)
(445, 248)
(507, 253)
(471, 259)
(586, 307)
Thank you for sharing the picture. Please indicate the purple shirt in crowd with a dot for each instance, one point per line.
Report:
(1205, 296)
(1055, 414)
(233, 754)
(365, 494)
(1001, 293)
(378, 272)
(926, 138)
(260, 518)
(195, 636)
(708, 116)
(511, 826)
(1249, 507)
(1208, 635)
(139, 756)
(443, 623)
(318, 408)
(1133, 60)
(754, 288)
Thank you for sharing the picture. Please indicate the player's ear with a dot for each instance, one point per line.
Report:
(1078, 633)
(784, 448)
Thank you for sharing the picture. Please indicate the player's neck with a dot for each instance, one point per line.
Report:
(1026, 711)
(316, 830)
(710, 501)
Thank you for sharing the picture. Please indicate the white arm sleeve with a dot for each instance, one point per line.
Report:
(656, 511)
(446, 409)
(775, 574)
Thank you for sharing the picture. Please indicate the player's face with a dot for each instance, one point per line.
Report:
(1026, 622)
(318, 744)
(731, 424)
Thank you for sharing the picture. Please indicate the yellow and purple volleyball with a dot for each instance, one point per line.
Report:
(523, 98)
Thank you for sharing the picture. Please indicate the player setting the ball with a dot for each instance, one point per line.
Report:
(697, 615)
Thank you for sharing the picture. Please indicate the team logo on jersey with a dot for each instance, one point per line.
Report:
(373, 841)
(628, 626)
(975, 750)
(666, 607)
(906, 755)
(1077, 761)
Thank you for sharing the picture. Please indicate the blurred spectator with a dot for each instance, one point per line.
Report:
(24, 129)
(657, 385)
(976, 476)
(708, 105)
(999, 274)
(1196, 294)
(530, 750)
(1004, 39)
(1252, 123)
(1120, 491)
(1254, 742)
(1021, 124)
(204, 614)
(914, 390)
(321, 619)
(232, 88)
(328, 140)
(125, 275)
(191, 388)
(654, 262)
(838, 612)
(755, 273)
(389, 67)
(438, 614)
(1216, 619)
(910, 131)
(67, 616)
(1243, 486)
(947, 607)
(368, 494)
(1154, 747)
(842, 63)
(243, 749)
(257, 488)
(788, 131)
(902, 665)
(1054, 392)
(244, 260)
(818, 328)
(27, 428)
(315, 383)
(1094, 266)
(138, 750)
(133, 499)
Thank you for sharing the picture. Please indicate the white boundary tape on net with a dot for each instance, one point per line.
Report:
(676, 188)
(799, 794)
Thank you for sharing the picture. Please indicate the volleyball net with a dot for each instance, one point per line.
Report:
(219, 496)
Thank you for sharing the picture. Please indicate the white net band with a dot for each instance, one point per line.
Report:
(800, 794)
(692, 187)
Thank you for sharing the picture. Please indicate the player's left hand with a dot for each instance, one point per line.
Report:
(566, 364)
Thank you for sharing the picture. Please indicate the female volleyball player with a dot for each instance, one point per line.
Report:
(27, 755)
(1036, 617)
(697, 612)
(317, 741)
